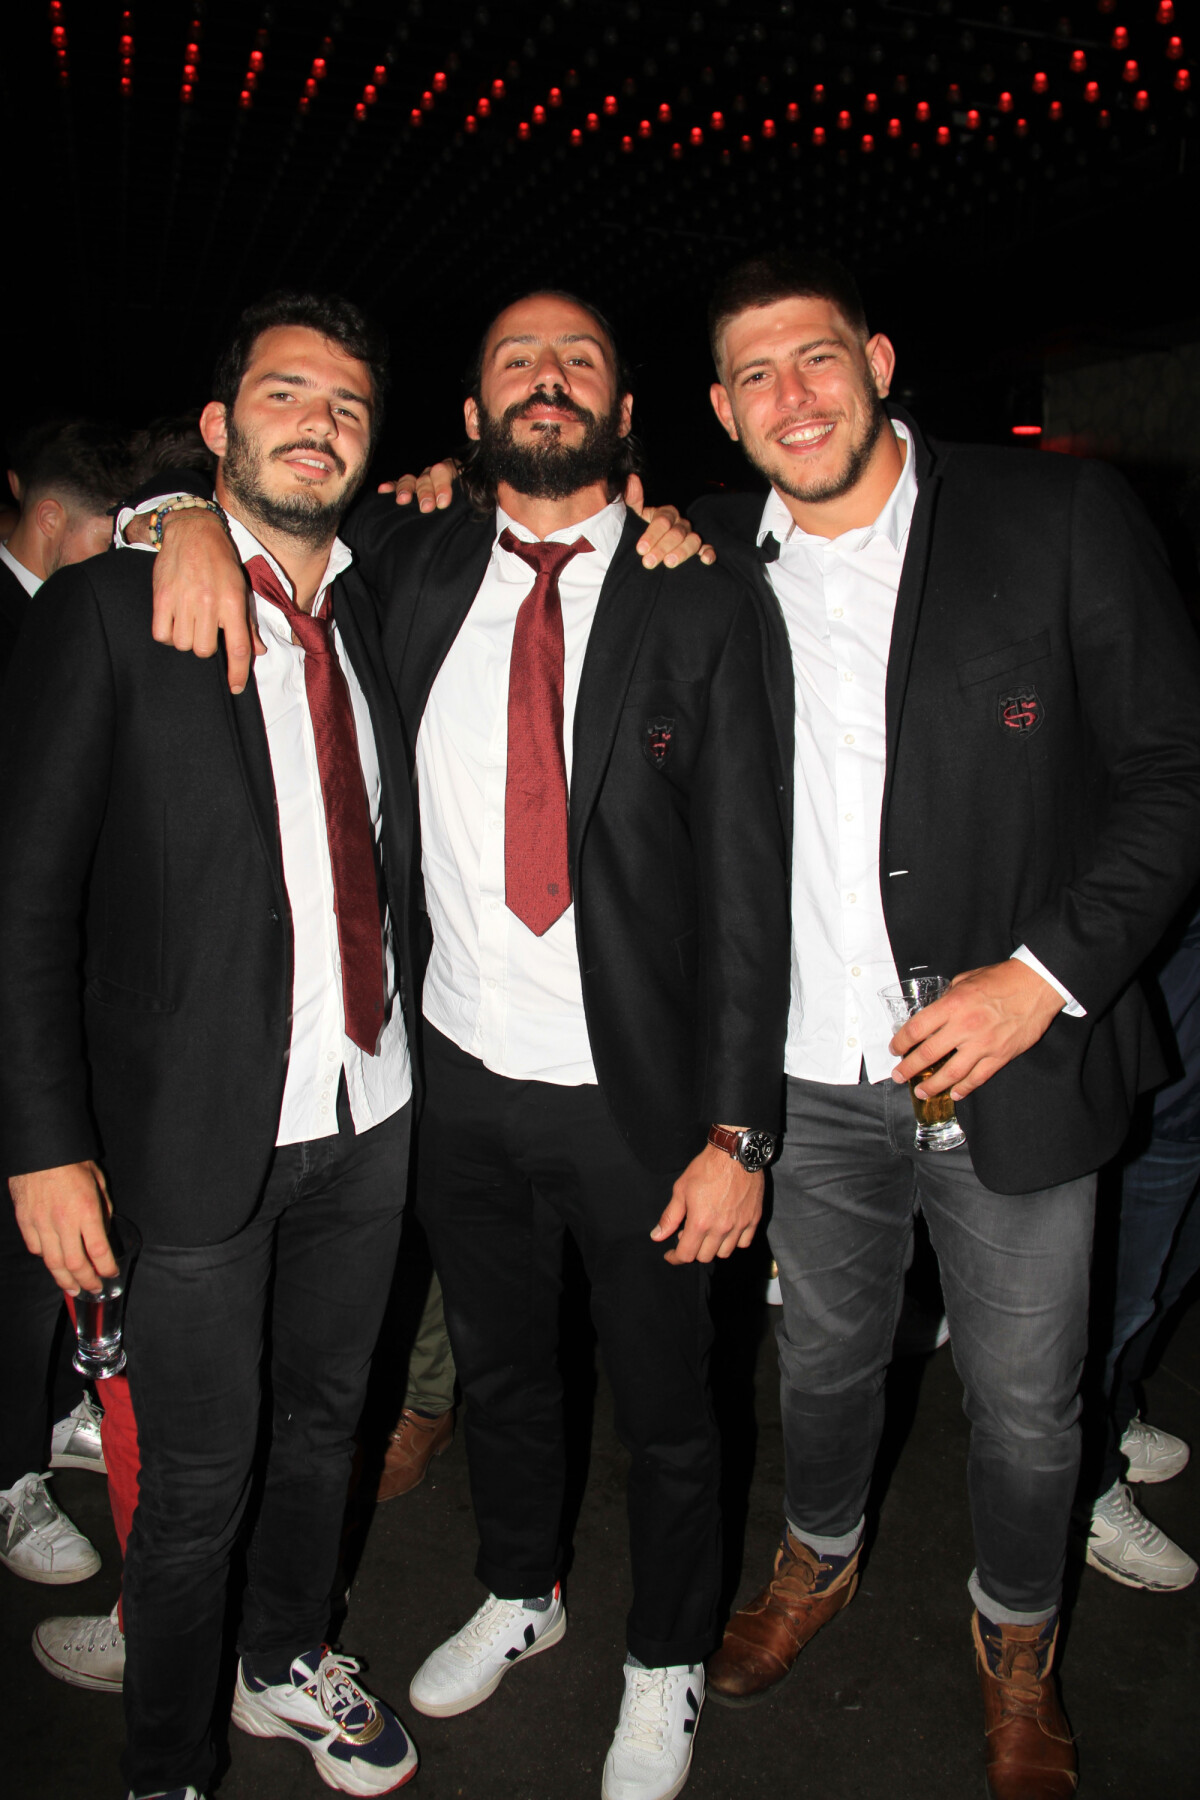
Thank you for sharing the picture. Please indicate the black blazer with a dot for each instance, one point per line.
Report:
(677, 856)
(14, 604)
(1043, 770)
(145, 988)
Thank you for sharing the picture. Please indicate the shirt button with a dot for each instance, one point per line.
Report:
(850, 899)
(846, 675)
(849, 738)
(494, 905)
(491, 983)
(849, 818)
(329, 1056)
(852, 1042)
(856, 970)
(837, 612)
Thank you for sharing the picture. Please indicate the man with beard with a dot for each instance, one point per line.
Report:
(605, 999)
(234, 1066)
(987, 702)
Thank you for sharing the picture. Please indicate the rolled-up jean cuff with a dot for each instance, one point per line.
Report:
(845, 1545)
(1004, 1615)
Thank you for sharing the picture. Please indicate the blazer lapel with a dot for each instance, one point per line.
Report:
(622, 614)
(249, 733)
(436, 615)
(911, 591)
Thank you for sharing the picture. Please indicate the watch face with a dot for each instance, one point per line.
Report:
(758, 1147)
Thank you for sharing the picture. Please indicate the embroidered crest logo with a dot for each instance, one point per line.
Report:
(1020, 711)
(657, 743)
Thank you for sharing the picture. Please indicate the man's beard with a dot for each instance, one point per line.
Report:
(545, 468)
(305, 515)
(833, 486)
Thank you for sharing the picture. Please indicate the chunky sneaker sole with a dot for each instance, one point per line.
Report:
(1152, 1455)
(332, 1749)
(1128, 1547)
(428, 1699)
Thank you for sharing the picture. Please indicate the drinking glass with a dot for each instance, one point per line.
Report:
(100, 1316)
(937, 1126)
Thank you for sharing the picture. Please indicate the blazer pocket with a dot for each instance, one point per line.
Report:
(111, 993)
(999, 662)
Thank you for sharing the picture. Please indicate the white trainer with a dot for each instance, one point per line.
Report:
(462, 1672)
(1124, 1544)
(37, 1541)
(1152, 1455)
(357, 1744)
(75, 1440)
(184, 1793)
(650, 1756)
(84, 1652)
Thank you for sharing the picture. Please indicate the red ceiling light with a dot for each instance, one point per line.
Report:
(747, 144)
(318, 68)
(576, 135)
(497, 89)
(894, 128)
(793, 112)
(954, 94)
(1182, 81)
(676, 152)
(867, 143)
(1041, 82)
(768, 128)
(717, 121)
(470, 124)
(310, 88)
(610, 105)
(245, 99)
(695, 135)
(871, 103)
(523, 129)
(370, 94)
(414, 117)
(379, 74)
(1120, 38)
(593, 121)
(627, 145)
(539, 115)
(1022, 127)
(1104, 119)
(1174, 48)
(1078, 62)
(360, 110)
(1166, 12)
(1027, 431)
(923, 111)
(256, 59)
(943, 134)
(664, 114)
(844, 121)
(555, 96)
(484, 108)
(1091, 92)
(818, 136)
(818, 93)
(644, 128)
(972, 120)
(1056, 110)
(1141, 101)
(1005, 102)
(439, 81)
(1130, 72)
(427, 101)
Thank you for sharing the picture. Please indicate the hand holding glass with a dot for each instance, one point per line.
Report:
(937, 1127)
(100, 1316)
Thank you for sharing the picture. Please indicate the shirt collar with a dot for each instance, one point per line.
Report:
(247, 545)
(893, 522)
(28, 580)
(602, 531)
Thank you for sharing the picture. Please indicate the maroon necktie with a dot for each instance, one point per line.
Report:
(347, 815)
(537, 885)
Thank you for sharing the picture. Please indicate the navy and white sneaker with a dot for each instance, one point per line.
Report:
(357, 1743)
(469, 1666)
(650, 1757)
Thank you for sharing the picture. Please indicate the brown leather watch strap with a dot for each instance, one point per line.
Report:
(725, 1139)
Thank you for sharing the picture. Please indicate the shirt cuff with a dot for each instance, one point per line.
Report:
(131, 512)
(1071, 1005)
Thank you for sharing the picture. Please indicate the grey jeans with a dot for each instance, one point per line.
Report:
(1014, 1270)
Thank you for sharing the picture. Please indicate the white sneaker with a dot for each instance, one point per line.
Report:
(1126, 1545)
(650, 1756)
(356, 1742)
(185, 1793)
(37, 1541)
(86, 1653)
(1152, 1455)
(75, 1440)
(469, 1666)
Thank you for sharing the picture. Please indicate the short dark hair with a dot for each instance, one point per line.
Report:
(331, 315)
(78, 461)
(630, 459)
(783, 275)
(169, 443)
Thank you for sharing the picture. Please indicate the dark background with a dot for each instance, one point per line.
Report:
(1048, 234)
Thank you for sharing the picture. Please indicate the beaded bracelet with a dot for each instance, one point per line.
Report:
(181, 503)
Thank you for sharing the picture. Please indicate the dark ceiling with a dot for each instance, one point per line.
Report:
(1003, 179)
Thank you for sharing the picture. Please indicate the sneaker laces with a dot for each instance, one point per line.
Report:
(338, 1693)
(480, 1631)
(1122, 1511)
(31, 1500)
(645, 1717)
(97, 1634)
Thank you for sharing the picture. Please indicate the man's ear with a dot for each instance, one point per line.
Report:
(881, 360)
(214, 427)
(719, 396)
(14, 485)
(626, 425)
(50, 516)
(471, 416)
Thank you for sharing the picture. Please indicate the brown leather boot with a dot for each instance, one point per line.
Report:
(1030, 1751)
(411, 1445)
(763, 1640)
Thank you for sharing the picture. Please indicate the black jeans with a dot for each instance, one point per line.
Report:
(294, 1299)
(37, 1383)
(504, 1168)
(1014, 1271)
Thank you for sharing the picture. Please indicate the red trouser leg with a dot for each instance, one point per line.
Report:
(118, 1437)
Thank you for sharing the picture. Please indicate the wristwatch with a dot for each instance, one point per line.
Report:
(753, 1149)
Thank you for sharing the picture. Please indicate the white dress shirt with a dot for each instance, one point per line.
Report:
(376, 1086)
(838, 599)
(28, 580)
(501, 994)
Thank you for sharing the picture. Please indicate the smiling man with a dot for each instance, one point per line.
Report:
(987, 703)
(232, 1065)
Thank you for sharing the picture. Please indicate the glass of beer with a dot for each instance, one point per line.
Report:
(937, 1127)
(100, 1316)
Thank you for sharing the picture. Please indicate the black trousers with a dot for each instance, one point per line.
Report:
(291, 1304)
(37, 1383)
(504, 1168)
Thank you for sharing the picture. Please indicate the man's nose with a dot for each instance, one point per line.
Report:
(549, 372)
(794, 390)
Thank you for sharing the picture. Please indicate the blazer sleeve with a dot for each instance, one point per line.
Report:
(56, 747)
(1137, 671)
(744, 889)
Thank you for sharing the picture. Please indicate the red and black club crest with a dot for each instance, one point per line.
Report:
(1020, 711)
(657, 741)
